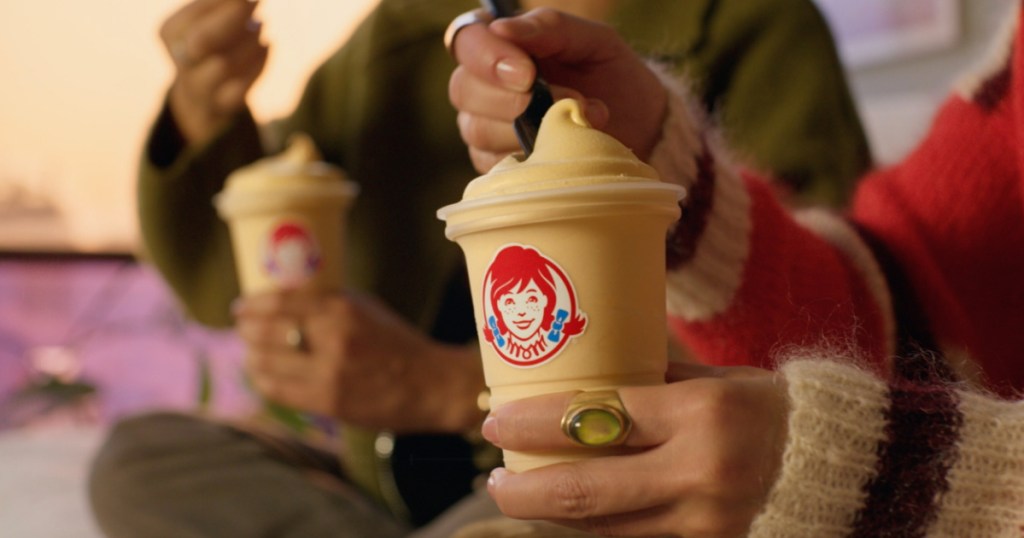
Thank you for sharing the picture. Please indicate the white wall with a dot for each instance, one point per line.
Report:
(898, 99)
(81, 82)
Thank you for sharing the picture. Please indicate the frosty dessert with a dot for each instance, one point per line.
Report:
(566, 258)
(286, 217)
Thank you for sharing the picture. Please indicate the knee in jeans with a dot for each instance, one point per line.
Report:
(141, 449)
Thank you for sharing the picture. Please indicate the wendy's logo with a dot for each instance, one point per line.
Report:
(291, 254)
(530, 307)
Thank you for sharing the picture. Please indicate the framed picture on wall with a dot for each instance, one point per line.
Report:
(870, 32)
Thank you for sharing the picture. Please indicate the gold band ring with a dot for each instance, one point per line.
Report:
(596, 419)
(475, 16)
(296, 338)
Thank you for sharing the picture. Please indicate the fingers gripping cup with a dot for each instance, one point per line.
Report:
(286, 218)
(566, 258)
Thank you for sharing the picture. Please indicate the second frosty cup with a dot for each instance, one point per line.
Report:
(286, 217)
(566, 259)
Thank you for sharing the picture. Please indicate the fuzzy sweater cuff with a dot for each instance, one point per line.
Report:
(709, 245)
(840, 415)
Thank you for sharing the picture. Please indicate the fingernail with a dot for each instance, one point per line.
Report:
(490, 430)
(497, 476)
(516, 74)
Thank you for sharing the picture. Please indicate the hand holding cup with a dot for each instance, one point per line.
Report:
(700, 459)
(358, 362)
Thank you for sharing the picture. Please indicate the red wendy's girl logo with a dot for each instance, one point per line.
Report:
(530, 306)
(292, 255)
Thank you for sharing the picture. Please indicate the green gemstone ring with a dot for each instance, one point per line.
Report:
(596, 419)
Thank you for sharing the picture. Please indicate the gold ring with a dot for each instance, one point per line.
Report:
(478, 15)
(296, 338)
(596, 419)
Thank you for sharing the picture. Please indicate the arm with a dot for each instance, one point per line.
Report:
(203, 132)
(182, 235)
(814, 281)
(912, 257)
(181, 170)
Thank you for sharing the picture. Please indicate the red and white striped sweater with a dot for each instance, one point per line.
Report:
(899, 326)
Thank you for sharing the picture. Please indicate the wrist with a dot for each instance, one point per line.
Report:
(453, 379)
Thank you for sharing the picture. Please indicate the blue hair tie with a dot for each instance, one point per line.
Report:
(494, 330)
(555, 334)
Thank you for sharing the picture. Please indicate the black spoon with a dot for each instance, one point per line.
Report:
(528, 123)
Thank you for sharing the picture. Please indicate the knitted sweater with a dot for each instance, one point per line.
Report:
(926, 267)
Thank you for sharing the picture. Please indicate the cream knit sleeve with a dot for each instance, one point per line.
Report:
(708, 247)
(846, 427)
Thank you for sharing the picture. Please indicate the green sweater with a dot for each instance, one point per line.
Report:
(378, 108)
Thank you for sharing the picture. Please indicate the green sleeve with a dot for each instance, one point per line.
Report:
(768, 72)
(784, 98)
(182, 235)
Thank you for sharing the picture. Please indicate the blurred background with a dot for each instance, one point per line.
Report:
(82, 83)
(88, 334)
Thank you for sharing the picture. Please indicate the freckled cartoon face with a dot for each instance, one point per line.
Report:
(291, 257)
(529, 308)
(523, 310)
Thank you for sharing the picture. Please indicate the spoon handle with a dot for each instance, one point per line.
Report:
(528, 123)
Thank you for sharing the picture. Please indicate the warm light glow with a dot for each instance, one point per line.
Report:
(82, 82)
